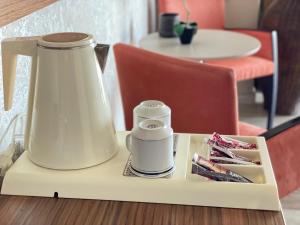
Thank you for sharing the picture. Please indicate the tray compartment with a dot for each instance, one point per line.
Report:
(253, 173)
(199, 146)
(253, 155)
(248, 139)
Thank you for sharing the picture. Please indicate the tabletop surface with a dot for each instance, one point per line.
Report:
(42, 211)
(207, 44)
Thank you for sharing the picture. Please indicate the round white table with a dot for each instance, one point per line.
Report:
(207, 44)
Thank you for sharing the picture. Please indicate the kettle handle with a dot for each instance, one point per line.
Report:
(11, 47)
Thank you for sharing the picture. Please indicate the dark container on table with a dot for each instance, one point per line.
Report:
(188, 32)
(166, 24)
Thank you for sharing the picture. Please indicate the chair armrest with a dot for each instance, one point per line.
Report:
(283, 146)
(281, 128)
(265, 38)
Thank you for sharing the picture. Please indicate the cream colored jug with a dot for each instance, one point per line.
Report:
(69, 124)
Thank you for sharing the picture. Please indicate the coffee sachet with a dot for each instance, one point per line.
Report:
(216, 172)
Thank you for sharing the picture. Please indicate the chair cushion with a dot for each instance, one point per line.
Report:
(246, 68)
(246, 129)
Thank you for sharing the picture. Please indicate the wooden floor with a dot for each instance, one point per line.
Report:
(291, 206)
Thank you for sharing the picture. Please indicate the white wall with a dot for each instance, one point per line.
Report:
(110, 21)
(242, 13)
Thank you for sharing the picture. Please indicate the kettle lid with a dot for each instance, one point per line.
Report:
(66, 40)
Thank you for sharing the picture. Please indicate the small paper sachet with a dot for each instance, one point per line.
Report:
(227, 142)
(208, 169)
(221, 150)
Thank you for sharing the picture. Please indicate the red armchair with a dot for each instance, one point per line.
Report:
(210, 14)
(203, 98)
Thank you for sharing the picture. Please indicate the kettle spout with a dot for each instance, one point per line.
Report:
(101, 51)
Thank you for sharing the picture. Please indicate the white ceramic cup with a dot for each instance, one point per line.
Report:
(152, 109)
(151, 146)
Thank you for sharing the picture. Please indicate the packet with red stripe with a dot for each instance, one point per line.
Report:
(226, 142)
(208, 169)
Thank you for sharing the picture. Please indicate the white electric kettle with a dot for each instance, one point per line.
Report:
(69, 124)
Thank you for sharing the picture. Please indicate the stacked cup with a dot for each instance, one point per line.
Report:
(151, 140)
(152, 109)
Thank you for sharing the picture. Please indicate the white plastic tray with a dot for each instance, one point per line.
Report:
(106, 181)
